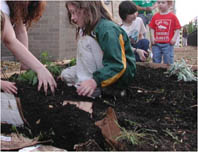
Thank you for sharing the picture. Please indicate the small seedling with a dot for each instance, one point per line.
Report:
(14, 129)
(171, 135)
(44, 58)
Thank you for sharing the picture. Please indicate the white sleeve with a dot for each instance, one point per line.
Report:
(4, 7)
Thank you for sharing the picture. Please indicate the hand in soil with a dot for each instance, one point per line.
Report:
(87, 87)
(46, 78)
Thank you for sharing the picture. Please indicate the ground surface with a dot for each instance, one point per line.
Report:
(189, 54)
(161, 107)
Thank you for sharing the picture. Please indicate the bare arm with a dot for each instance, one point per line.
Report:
(24, 55)
(152, 37)
(22, 36)
(152, 7)
(21, 33)
(139, 8)
(174, 39)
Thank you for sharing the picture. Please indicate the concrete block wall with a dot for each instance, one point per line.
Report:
(54, 34)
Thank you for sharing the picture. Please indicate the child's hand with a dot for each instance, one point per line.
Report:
(87, 87)
(8, 87)
(45, 78)
(153, 42)
(172, 42)
(142, 54)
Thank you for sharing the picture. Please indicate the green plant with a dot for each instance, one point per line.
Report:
(28, 76)
(44, 58)
(54, 69)
(171, 135)
(31, 76)
(182, 71)
(131, 136)
(72, 62)
(14, 129)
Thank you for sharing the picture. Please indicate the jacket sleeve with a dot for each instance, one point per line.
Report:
(114, 59)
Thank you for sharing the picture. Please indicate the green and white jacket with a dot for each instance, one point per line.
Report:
(118, 58)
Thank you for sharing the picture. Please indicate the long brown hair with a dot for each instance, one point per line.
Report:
(2, 21)
(95, 10)
(27, 11)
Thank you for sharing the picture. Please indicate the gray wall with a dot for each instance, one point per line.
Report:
(53, 33)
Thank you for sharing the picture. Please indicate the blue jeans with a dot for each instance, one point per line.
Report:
(141, 44)
(146, 18)
(163, 50)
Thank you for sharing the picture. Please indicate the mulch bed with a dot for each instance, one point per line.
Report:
(161, 107)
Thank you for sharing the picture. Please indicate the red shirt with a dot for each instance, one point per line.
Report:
(164, 27)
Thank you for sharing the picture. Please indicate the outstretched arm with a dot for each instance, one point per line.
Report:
(21, 52)
(22, 36)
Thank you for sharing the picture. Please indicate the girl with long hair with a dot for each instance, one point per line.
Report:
(104, 55)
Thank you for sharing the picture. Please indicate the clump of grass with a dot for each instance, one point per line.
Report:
(132, 136)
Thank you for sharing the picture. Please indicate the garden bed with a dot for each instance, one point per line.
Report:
(160, 107)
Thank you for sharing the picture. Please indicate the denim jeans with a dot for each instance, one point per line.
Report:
(141, 44)
(146, 18)
(163, 50)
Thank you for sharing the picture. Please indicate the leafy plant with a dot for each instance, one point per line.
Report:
(28, 76)
(72, 62)
(182, 71)
(44, 58)
(54, 69)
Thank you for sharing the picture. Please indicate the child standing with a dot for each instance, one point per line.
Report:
(184, 36)
(135, 29)
(165, 29)
(106, 55)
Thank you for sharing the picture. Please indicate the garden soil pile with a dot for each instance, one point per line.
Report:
(160, 107)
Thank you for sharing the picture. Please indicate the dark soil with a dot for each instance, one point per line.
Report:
(161, 107)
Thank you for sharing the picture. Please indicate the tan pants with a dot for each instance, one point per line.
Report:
(88, 60)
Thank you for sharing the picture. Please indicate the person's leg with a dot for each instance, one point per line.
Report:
(157, 54)
(168, 53)
(89, 58)
(69, 75)
(149, 17)
(141, 44)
